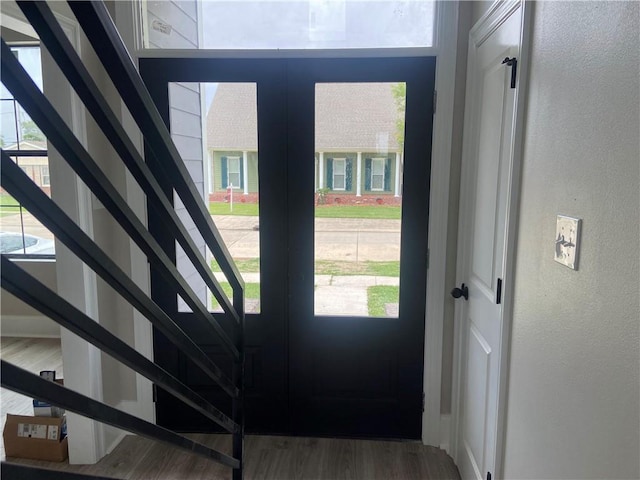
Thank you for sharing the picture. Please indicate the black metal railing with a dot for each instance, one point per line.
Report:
(101, 32)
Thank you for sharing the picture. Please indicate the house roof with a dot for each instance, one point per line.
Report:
(27, 145)
(350, 117)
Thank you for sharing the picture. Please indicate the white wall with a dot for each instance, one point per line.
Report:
(18, 318)
(573, 402)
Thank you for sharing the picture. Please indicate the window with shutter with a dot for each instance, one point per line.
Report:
(233, 172)
(339, 173)
(377, 174)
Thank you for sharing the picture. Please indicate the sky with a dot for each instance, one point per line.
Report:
(29, 58)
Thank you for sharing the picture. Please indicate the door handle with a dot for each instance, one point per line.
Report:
(463, 291)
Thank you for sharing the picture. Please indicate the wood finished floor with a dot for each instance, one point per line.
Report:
(266, 457)
(34, 355)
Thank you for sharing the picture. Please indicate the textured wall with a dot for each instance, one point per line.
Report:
(573, 407)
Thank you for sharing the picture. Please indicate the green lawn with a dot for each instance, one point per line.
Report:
(379, 295)
(359, 211)
(244, 209)
(8, 205)
(322, 211)
(328, 267)
(251, 290)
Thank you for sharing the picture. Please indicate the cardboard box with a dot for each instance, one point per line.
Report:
(39, 438)
(45, 409)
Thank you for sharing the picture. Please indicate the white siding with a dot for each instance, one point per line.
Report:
(186, 119)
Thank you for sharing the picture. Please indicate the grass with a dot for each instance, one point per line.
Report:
(251, 290)
(243, 209)
(328, 267)
(359, 211)
(378, 296)
(321, 211)
(380, 269)
(245, 265)
(8, 205)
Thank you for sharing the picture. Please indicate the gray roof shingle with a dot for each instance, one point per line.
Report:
(350, 117)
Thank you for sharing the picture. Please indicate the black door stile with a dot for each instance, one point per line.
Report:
(289, 350)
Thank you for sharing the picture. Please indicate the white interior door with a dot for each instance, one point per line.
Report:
(487, 176)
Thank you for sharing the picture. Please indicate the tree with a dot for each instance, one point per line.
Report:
(30, 131)
(399, 91)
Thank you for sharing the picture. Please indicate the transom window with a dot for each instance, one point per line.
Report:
(377, 174)
(291, 24)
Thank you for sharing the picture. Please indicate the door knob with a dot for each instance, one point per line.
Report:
(463, 291)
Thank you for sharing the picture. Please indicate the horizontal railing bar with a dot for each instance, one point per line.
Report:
(33, 101)
(13, 471)
(19, 283)
(26, 383)
(105, 40)
(27, 153)
(22, 188)
(51, 34)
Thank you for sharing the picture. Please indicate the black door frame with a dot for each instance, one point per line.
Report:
(284, 398)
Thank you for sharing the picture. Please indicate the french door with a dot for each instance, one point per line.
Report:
(321, 360)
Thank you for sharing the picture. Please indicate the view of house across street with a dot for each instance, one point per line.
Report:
(359, 132)
(358, 164)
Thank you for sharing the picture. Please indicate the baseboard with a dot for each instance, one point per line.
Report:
(445, 433)
(28, 326)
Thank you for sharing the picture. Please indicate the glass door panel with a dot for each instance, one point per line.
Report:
(214, 126)
(359, 143)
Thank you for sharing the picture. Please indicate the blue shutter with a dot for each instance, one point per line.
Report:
(348, 183)
(367, 174)
(223, 175)
(387, 175)
(330, 173)
(241, 162)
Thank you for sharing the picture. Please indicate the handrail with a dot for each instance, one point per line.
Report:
(22, 188)
(29, 472)
(102, 34)
(60, 135)
(108, 45)
(44, 22)
(26, 383)
(22, 285)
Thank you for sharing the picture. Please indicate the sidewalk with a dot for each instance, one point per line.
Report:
(334, 294)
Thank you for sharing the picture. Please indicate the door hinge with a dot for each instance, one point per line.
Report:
(423, 401)
(499, 292)
(488, 475)
(154, 393)
(428, 258)
(435, 101)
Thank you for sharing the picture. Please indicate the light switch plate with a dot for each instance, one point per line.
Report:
(567, 241)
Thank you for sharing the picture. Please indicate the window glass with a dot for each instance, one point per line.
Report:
(233, 172)
(24, 142)
(290, 24)
(377, 174)
(338, 174)
(359, 145)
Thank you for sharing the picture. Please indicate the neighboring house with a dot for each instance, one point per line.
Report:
(36, 167)
(357, 150)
